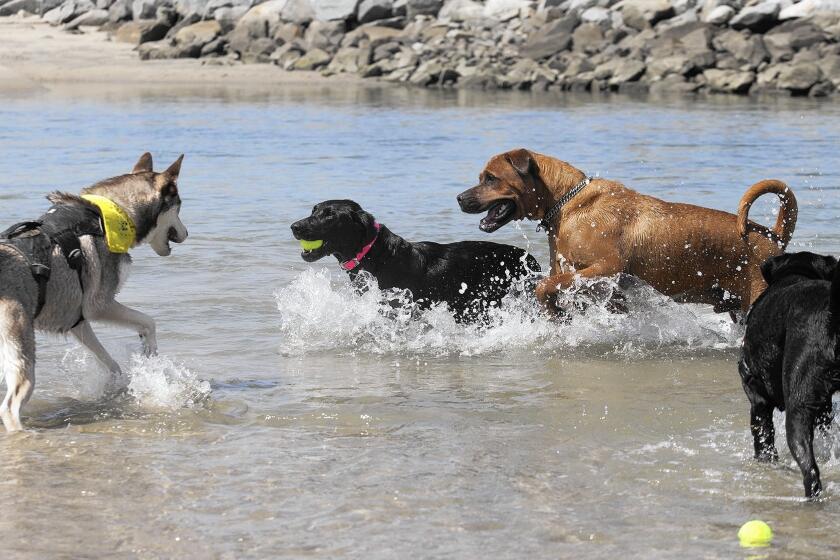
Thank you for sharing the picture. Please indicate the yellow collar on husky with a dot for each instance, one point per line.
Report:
(120, 232)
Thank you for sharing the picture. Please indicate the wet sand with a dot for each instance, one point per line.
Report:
(35, 56)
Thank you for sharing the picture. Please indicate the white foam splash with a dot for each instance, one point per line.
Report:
(322, 311)
(158, 382)
(90, 380)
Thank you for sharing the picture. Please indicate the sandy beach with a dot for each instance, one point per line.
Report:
(35, 56)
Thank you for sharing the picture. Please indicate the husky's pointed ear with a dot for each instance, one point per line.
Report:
(143, 164)
(175, 169)
(520, 160)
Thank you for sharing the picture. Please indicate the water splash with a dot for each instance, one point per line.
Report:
(158, 382)
(321, 311)
(90, 379)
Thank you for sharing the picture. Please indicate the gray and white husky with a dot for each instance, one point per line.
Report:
(82, 288)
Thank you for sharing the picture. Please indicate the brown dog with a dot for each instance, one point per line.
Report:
(598, 227)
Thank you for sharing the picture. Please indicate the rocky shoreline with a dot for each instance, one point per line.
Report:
(685, 46)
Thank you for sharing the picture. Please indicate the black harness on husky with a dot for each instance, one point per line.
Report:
(62, 225)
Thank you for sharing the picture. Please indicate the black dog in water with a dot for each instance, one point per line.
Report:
(470, 276)
(790, 356)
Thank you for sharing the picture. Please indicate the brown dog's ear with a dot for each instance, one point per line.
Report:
(175, 169)
(520, 160)
(143, 164)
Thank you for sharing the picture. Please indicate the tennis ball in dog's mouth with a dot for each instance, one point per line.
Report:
(311, 245)
(755, 533)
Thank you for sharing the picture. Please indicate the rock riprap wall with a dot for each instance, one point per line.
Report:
(717, 46)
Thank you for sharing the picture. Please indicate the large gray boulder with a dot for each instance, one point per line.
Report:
(146, 9)
(190, 8)
(9, 8)
(461, 10)
(298, 11)
(640, 14)
(157, 50)
(758, 18)
(778, 45)
(324, 35)
(526, 72)
(746, 48)
(673, 84)
(312, 60)
(228, 16)
(729, 81)
(119, 11)
(346, 60)
(810, 8)
(587, 38)
(427, 73)
(138, 32)
(659, 68)
(598, 16)
(198, 34)
(373, 10)
(798, 78)
(226, 12)
(719, 15)
(256, 24)
(423, 8)
(830, 68)
(804, 34)
(578, 6)
(334, 9)
(504, 10)
(550, 39)
(618, 71)
(93, 18)
(68, 11)
(190, 41)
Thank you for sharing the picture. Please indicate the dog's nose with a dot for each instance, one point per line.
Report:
(460, 198)
(296, 227)
(175, 238)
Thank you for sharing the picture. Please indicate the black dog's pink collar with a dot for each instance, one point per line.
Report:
(355, 261)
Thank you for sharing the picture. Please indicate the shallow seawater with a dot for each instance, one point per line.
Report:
(289, 416)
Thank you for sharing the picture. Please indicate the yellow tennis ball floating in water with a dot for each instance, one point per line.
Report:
(755, 533)
(311, 245)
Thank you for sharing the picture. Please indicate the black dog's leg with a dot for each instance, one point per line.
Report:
(799, 425)
(763, 431)
(761, 416)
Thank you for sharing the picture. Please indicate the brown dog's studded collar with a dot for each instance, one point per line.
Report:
(545, 223)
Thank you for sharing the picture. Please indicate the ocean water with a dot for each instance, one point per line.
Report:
(288, 416)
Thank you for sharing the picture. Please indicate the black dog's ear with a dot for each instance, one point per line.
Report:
(367, 221)
(520, 160)
(806, 264)
(769, 267)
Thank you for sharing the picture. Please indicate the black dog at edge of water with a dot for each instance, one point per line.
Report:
(791, 356)
(470, 276)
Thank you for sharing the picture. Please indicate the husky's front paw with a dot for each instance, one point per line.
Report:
(116, 386)
(149, 344)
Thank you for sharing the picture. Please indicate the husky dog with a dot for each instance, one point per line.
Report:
(61, 272)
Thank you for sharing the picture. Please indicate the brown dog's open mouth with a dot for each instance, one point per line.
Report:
(498, 215)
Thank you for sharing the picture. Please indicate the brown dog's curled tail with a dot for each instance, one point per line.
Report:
(786, 220)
